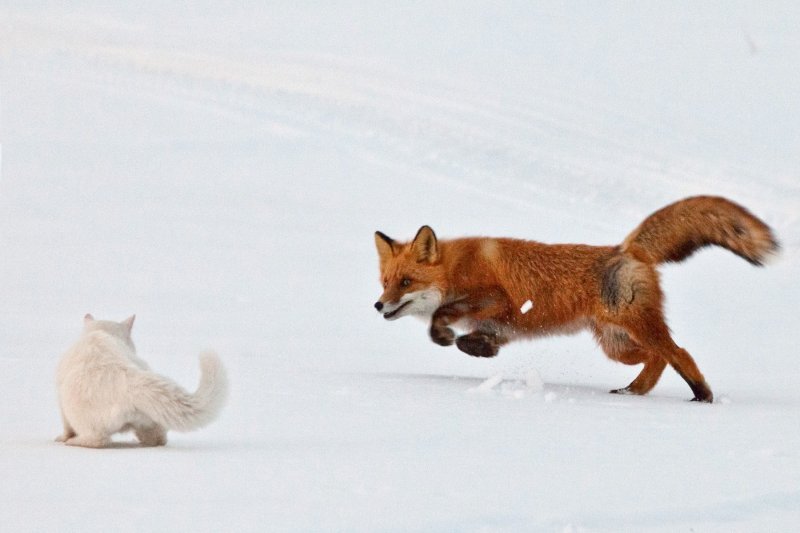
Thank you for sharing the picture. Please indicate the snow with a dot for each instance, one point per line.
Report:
(490, 383)
(219, 170)
(525, 307)
(533, 380)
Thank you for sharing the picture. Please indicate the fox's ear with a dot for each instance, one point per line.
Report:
(128, 323)
(385, 245)
(425, 246)
(88, 318)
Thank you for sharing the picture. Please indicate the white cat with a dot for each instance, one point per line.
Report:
(104, 388)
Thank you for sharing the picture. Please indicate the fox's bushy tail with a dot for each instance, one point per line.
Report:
(171, 406)
(676, 231)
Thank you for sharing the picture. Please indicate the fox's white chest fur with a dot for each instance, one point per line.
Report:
(104, 388)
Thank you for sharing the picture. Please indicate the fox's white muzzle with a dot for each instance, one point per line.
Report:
(420, 303)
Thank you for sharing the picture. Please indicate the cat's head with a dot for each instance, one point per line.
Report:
(121, 330)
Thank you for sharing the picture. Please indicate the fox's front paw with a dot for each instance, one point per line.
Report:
(478, 344)
(443, 336)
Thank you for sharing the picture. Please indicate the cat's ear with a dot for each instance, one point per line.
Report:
(128, 323)
(88, 319)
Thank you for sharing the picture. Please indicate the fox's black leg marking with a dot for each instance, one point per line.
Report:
(479, 344)
(485, 307)
(701, 392)
(442, 335)
(624, 390)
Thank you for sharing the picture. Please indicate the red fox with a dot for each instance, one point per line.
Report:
(501, 289)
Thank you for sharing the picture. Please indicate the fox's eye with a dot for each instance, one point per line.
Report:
(405, 282)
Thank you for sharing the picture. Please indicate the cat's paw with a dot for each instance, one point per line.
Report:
(88, 442)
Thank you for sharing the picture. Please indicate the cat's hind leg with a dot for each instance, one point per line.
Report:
(151, 435)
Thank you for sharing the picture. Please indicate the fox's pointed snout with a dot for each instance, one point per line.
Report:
(379, 305)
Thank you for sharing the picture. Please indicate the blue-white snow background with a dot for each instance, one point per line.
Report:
(219, 169)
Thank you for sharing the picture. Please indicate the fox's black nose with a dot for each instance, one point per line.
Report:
(378, 305)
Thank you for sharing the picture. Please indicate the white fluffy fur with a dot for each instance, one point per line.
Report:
(104, 388)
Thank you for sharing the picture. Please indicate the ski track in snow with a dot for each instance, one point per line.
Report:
(482, 145)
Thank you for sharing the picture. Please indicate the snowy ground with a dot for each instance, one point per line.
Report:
(219, 170)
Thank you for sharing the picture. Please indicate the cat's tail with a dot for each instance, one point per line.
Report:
(171, 406)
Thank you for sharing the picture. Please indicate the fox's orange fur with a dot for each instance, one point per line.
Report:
(482, 284)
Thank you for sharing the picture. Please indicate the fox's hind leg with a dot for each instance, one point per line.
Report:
(650, 331)
(633, 310)
(647, 378)
(619, 346)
